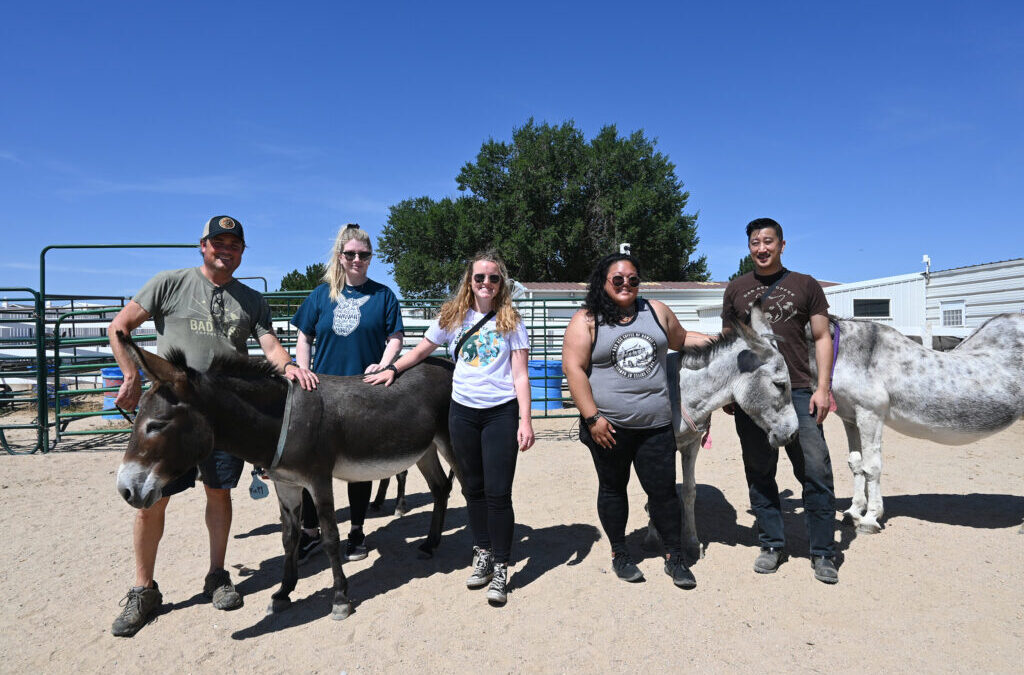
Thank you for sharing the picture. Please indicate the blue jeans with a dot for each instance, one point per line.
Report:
(811, 466)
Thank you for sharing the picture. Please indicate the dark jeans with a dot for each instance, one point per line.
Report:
(811, 466)
(358, 501)
(652, 452)
(486, 448)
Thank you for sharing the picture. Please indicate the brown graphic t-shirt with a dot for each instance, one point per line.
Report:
(793, 302)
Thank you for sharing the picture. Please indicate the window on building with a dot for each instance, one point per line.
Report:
(952, 313)
(868, 308)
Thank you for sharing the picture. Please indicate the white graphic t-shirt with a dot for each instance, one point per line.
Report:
(483, 367)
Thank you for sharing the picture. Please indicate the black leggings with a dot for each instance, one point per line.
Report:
(652, 452)
(486, 448)
(358, 501)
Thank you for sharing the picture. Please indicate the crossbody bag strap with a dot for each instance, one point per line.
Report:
(465, 336)
(764, 296)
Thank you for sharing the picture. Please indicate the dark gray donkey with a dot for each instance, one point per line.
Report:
(345, 429)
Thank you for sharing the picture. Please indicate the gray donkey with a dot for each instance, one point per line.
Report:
(741, 367)
(954, 398)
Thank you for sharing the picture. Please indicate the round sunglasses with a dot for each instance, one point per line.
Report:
(618, 280)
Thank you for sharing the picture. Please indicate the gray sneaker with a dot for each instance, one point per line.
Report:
(218, 587)
(483, 568)
(140, 605)
(825, 569)
(768, 560)
(497, 592)
(680, 572)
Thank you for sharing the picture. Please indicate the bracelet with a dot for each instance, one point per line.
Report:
(392, 368)
(291, 363)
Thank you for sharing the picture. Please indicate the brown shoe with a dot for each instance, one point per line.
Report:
(218, 587)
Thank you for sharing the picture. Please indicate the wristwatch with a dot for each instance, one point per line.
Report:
(590, 421)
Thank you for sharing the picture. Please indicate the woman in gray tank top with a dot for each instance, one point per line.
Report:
(614, 360)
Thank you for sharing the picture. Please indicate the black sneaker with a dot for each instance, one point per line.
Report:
(308, 545)
(768, 560)
(625, 568)
(483, 568)
(140, 606)
(681, 575)
(497, 592)
(825, 569)
(354, 551)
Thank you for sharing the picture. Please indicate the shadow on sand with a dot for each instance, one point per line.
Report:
(398, 563)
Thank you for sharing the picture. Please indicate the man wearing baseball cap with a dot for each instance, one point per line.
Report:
(204, 312)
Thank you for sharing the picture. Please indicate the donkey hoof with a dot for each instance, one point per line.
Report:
(401, 508)
(278, 605)
(341, 611)
(426, 551)
(868, 528)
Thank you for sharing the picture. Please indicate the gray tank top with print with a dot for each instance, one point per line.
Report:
(627, 372)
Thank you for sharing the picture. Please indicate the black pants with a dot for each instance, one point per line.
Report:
(358, 501)
(652, 452)
(485, 445)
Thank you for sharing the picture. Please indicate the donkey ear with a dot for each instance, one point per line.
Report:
(748, 361)
(158, 370)
(757, 320)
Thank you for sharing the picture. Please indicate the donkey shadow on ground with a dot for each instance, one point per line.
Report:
(397, 563)
(976, 510)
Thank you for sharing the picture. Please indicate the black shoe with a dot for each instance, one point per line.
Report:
(825, 569)
(768, 560)
(626, 569)
(218, 588)
(681, 575)
(140, 605)
(354, 551)
(308, 545)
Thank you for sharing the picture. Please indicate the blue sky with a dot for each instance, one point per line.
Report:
(874, 132)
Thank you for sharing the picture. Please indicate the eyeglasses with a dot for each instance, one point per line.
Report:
(618, 280)
(493, 278)
(351, 255)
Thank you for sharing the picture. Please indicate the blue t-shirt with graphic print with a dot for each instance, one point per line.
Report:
(352, 333)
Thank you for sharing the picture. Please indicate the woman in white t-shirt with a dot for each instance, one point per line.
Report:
(489, 419)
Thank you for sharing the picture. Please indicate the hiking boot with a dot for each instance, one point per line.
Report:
(681, 575)
(483, 568)
(140, 605)
(497, 592)
(308, 545)
(221, 591)
(354, 551)
(825, 569)
(625, 568)
(768, 560)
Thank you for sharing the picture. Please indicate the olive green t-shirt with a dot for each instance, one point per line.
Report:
(201, 319)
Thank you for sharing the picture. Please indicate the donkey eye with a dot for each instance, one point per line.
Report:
(781, 386)
(154, 426)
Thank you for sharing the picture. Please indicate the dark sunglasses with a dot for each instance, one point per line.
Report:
(493, 278)
(618, 280)
(351, 255)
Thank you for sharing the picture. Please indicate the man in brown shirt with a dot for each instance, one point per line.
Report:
(790, 301)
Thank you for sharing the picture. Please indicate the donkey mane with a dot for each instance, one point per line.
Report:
(228, 365)
(706, 351)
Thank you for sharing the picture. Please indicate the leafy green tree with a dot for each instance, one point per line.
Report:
(299, 281)
(746, 265)
(551, 203)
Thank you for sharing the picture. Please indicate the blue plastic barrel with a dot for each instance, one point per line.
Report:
(548, 387)
(108, 404)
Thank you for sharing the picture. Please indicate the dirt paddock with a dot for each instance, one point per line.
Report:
(939, 590)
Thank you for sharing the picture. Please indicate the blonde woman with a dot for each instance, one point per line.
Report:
(348, 325)
(489, 419)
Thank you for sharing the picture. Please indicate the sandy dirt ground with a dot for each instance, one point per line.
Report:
(939, 590)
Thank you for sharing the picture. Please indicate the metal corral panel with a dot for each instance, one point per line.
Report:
(684, 302)
(983, 291)
(905, 293)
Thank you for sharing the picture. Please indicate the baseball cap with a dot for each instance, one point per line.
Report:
(223, 225)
